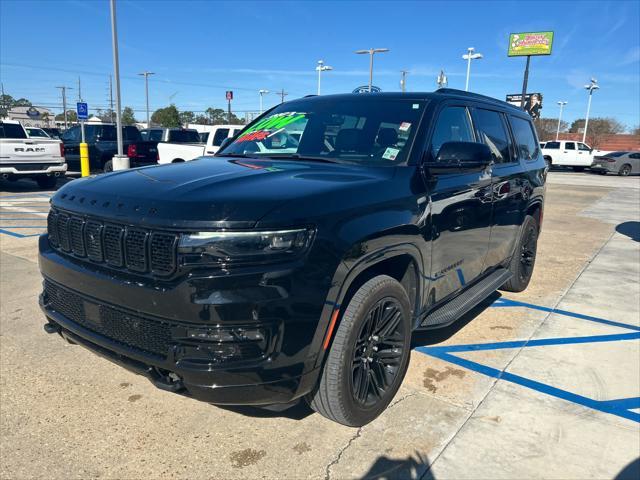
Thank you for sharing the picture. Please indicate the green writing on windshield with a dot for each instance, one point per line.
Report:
(275, 122)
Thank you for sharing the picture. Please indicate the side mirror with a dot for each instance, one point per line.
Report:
(461, 157)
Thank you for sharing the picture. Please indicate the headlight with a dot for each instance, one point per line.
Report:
(243, 247)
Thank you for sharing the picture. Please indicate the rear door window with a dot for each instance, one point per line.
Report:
(12, 130)
(526, 144)
(492, 131)
(454, 125)
(570, 146)
(552, 145)
(219, 136)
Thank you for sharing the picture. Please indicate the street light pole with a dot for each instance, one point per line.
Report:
(591, 87)
(116, 73)
(562, 104)
(321, 68)
(146, 74)
(403, 80)
(468, 57)
(262, 92)
(371, 52)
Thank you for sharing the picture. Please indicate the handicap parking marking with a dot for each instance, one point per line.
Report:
(620, 407)
(23, 216)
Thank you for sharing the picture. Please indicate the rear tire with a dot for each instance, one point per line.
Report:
(524, 257)
(46, 183)
(625, 170)
(369, 355)
(108, 166)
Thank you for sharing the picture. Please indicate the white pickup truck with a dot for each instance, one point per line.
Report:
(183, 152)
(22, 157)
(566, 153)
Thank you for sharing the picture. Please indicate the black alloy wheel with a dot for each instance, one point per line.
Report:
(378, 352)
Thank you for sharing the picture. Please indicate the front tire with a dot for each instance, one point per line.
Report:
(524, 257)
(108, 166)
(369, 355)
(46, 183)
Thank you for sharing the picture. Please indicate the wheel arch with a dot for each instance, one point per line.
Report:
(401, 262)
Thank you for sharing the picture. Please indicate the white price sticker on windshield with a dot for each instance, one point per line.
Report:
(390, 153)
(404, 126)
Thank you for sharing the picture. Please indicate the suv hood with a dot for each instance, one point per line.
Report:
(211, 192)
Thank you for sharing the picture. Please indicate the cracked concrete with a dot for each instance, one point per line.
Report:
(66, 413)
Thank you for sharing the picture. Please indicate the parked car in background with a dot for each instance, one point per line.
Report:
(21, 156)
(170, 152)
(37, 133)
(565, 153)
(297, 263)
(622, 163)
(102, 142)
(172, 135)
(53, 132)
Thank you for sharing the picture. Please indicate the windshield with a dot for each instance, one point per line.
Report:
(351, 130)
(36, 132)
(184, 136)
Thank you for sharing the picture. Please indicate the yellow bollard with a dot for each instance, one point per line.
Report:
(84, 159)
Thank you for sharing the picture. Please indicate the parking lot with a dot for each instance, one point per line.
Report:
(545, 383)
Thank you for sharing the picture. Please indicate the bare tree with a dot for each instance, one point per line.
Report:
(598, 128)
(547, 127)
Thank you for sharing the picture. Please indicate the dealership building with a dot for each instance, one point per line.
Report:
(32, 116)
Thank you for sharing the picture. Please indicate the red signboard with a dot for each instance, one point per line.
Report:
(229, 95)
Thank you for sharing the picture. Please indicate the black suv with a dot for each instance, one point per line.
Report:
(299, 260)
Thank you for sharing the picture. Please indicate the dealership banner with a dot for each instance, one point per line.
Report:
(532, 103)
(532, 43)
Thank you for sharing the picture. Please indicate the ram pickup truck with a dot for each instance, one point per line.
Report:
(564, 153)
(298, 261)
(182, 152)
(102, 142)
(41, 159)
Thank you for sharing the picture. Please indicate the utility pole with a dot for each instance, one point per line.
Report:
(403, 80)
(79, 90)
(110, 99)
(468, 57)
(63, 89)
(442, 80)
(282, 94)
(146, 74)
(321, 68)
(261, 92)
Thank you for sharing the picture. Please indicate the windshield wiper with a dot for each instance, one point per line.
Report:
(297, 156)
(240, 155)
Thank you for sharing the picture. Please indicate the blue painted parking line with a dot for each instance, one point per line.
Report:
(21, 226)
(18, 235)
(504, 302)
(23, 195)
(620, 407)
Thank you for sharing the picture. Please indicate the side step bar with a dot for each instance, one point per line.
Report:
(458, 306)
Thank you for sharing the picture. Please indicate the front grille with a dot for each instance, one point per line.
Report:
(137, 250)
(149, 336)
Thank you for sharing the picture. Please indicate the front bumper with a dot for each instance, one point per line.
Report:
(43, 169)
(141, 326)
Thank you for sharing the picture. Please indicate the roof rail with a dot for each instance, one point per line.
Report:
(454, 91)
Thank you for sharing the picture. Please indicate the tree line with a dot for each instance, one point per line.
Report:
(598, 128)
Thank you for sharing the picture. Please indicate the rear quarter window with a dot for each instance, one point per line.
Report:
(526, 143)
